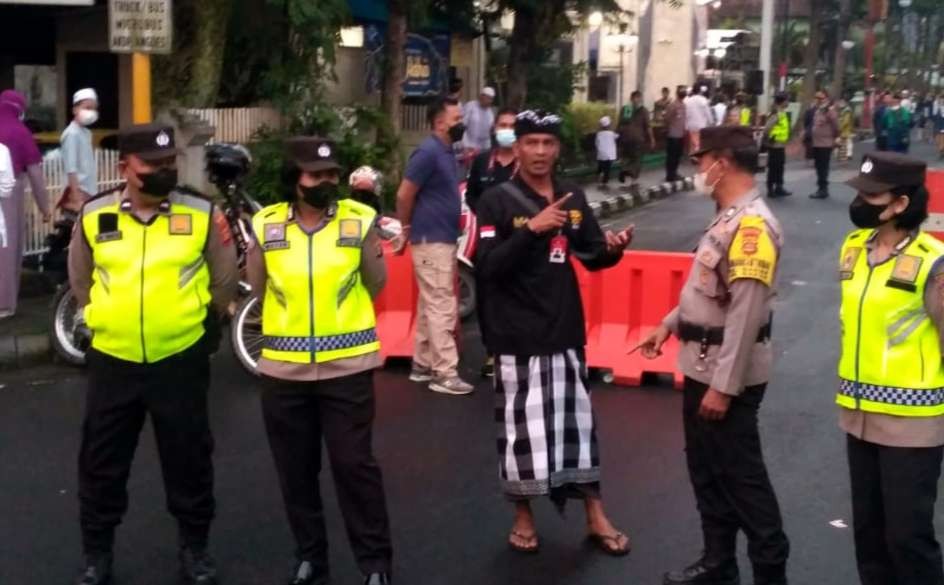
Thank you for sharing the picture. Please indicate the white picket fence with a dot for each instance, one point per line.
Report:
(56, 182)
(238, 124)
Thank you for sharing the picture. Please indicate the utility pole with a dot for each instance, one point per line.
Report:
(766, 50)
(785, 46)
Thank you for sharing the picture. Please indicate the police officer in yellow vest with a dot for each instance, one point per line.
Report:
(316, 265)
(891, 387)
(150, 265)
(776, 136)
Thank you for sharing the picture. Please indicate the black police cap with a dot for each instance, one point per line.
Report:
(311, 153)
(148, 141)
(724, 137)
(883, 171)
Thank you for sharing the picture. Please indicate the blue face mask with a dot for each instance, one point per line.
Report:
(505, 137)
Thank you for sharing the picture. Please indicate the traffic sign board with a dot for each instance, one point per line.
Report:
(140, 26)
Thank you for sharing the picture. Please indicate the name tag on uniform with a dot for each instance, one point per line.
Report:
(558, 249)
(350, 233)
(274, 237)
(181, 224)
(108, 237)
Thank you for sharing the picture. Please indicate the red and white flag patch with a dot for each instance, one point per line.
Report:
(487, 231)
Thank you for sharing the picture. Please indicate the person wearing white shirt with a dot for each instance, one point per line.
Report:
(606, 150)
(720, 110)
(479, 118)
(7, 182)
(699, 116)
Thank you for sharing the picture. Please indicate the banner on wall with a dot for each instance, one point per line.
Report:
(427, 61)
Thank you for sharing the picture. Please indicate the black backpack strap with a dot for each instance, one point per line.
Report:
(515, 193)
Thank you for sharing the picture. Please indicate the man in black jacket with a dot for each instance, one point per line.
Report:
(528, 229)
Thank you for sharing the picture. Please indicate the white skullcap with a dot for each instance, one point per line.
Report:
(605, 121)
(84, 94)
(488, 91)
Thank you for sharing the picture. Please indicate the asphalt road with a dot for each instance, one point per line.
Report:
(449, 519)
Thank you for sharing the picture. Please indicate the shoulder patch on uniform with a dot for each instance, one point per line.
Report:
(753, 254)
(849, 259)
(907, 268)
(350, 232)
(180, 224)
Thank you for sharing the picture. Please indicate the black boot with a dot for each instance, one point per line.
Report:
(781, 192)
(705, 573)
(305, 574)
(97, 570)
(378, 579)
(770, 575)
(821, 194)
(197, 567)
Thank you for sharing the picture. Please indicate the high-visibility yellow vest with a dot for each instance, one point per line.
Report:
(151, 284)
(316, 308)
(891, 353)
(745, 116)
(780, 133)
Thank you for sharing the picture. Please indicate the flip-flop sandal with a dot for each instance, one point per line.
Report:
(603, 542)
(529, 550)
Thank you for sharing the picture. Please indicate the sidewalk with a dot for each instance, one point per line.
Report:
(24, 338)
(617, 196)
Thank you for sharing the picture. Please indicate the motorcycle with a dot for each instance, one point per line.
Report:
(227, 166)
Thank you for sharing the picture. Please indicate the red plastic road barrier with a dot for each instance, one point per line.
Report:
(935, 223)
(396, 306)
(624, 304)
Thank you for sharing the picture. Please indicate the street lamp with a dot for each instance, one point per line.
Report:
(626, 43)
(596, 19)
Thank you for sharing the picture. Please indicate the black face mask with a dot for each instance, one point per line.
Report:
(865, 215)
(320, 196)
(160, 183)
(457, 132)
(366, 197)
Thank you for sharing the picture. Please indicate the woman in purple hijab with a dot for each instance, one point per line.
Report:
(27, 166)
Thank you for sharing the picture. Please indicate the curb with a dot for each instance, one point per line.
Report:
(618, 203)
(19, 351)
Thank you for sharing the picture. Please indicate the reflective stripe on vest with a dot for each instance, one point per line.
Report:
(316, 309)
(891, 356)
(780, 133)
(151, 284)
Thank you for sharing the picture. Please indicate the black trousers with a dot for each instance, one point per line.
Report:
(776, 159)
(604, 169)
(822, 158)
(297, 416)
(120, 395)
(674, 148)
(732, 489)
(893, 494)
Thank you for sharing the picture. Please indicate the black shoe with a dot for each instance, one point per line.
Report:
(820, 195)
(97, 570)
(701, 573)
(488, 369)
(781, 192)
(378, 579)
(197, 567)
(304, 574)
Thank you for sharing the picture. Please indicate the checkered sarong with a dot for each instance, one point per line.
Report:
(546, 433)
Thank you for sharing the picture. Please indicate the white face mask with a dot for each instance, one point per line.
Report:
(88, 117)
(701, 182)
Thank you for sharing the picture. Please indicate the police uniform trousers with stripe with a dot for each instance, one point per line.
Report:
(121, 394)
(732, 488)
(298, 415)
(894, 490)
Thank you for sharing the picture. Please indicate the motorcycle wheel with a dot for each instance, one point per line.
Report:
(246, 333)
(467, 298)
(65, 312)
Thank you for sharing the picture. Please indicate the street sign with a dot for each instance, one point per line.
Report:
(50, 2)
(140, 26)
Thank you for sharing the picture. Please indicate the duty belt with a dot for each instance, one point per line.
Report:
(708, 336)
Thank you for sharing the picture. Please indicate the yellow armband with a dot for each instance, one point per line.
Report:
(753, 253)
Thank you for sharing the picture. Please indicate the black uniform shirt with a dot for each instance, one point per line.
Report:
(486, 172)
(532, 305)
